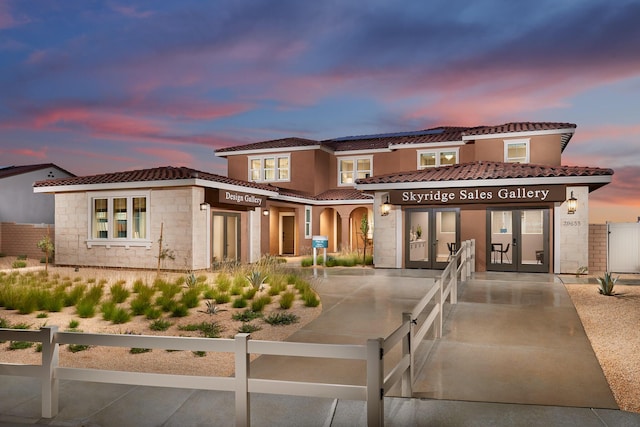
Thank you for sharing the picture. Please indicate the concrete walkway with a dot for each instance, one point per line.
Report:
(512, 338)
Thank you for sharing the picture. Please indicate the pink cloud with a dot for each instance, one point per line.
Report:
(8, 19)
(174, 157)
(130, 11)
(27, 152)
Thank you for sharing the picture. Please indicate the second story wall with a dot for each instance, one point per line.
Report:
(542, 149)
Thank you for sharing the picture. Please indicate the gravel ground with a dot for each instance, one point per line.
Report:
(612, 324)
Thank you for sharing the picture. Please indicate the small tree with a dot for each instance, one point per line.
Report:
(46, 246)
(364, 229)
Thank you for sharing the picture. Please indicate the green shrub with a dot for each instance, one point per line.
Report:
(278, 319)
(286, 300)
(54, 301)
(166, 303)
(140, 304)
(119, 293)
(75, 348)
(306, 262)
(310, 299)
(42, 316)
(249, 293)
(73, 324)
(236, 290)
(20, 345)
(223, 282)
(208, 329)
(107, 308)
(180, 310)
(248, 328)
(239, 302)
(191, 297)
(120, 315)
(21, 257)
(199, 353)
(94, 293)
(19, 264)
(209, 292)
(246, 316)
(136, 350)
(259, 304)
(152, 313)
(86, 308)
(222, 298)
(160, 325)
(75, 294)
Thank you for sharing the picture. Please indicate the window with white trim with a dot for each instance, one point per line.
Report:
(269, 168)
(119, 219)
(516, 151)
(352, 168)
(307, 222)
(435, 158)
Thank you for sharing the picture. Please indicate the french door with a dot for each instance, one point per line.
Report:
(225, 239)
(518, 240)
(431, 237)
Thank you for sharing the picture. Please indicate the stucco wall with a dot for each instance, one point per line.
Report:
(386, 238)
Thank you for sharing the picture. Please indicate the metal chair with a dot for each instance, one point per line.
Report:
(453, 248)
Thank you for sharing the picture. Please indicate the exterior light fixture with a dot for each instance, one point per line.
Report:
(265, 212)
(572, 204)
(204, 206)
(385, 207)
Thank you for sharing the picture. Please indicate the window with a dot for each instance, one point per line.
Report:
(269, 169)
(516, 151)
(435, 158)
(307, 222)
(119, 218)
(351, 168)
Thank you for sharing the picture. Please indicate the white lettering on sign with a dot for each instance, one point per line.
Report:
(431, 196)
(522, 193)
(568, 223)
(247, 198)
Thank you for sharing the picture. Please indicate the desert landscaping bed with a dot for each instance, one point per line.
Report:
(160, 361)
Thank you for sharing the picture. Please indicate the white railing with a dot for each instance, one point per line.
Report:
(411, 333)
(413, 330)
(50, 373)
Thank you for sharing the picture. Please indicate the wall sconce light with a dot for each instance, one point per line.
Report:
(385, 207)
(204, 206)
(265, 212)
(572, 204)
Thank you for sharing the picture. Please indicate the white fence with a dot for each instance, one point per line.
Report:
(410, 334)
(623, 247)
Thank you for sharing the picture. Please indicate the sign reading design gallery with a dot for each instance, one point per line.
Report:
(477, 195)
(240, 198)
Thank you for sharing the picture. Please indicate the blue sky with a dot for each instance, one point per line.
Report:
(107, 86)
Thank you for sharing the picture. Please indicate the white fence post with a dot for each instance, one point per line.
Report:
(407, 376)
(375, 391)
(453, 294)
(243, 404)
(472, 255)
(49, 383)
(440, 281)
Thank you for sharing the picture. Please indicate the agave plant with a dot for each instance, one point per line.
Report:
(256, 278)
(607, 283)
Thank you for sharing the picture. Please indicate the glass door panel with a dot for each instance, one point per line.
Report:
(501, 242)
(431, 237)
(532, 240)
(225, 239)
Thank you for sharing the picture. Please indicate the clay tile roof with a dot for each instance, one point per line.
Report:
(18, 170)
(329, 195)
(165, 173)
(276, 143)
(518, 127)
(381, 141)
(485, 170)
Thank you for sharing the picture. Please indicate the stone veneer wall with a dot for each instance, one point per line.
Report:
(184, 232)
(573, 232)
(597, 248)
(22, 239)
(385, 237)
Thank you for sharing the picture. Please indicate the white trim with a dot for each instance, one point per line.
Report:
(584, 180)
(354, 159)
(359, 153)
(309, 235)
(263, 169)
(437, 153)
(259, 151)
(110, 241)
(517, 134)
(322, 202)
(426, 145)
(115, 186)
(527, 144)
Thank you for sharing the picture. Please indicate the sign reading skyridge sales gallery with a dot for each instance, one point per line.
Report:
(240, 198)
(477, 195)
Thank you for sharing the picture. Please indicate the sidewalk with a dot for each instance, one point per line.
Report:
(361, 303)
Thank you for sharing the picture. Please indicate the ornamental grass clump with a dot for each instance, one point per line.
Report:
(119, 293)
(280, 319)
(286, 300)
(606, 284)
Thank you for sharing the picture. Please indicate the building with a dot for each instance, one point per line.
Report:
(423, 192)
(25, 216)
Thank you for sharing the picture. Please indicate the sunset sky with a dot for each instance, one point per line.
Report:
(104, 86)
